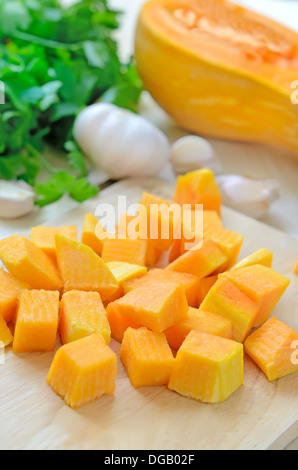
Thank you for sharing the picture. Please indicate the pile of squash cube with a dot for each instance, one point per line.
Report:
(184, 312)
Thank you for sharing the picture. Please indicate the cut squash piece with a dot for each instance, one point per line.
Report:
(37, 321)
(83, 371)
(83, 314)
(197, 319)
(198, 187)
(192, 230)
(124, 272)
(205, 286)
(10, 289)
(29, 263)
(119, 323)
(274, 348)
(82, 269)
(262, 285)
(165, 277)
(146, 357)
(6, 337)
(44, 237)
(263, 257)
(154, 306)
(126, 250)
(225, 299)
(207, 368)
(228, 241)
(89, 234)
(201, 261)
(194, 55)
(295, 270)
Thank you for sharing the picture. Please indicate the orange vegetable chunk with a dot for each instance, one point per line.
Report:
(83, 314)
(164, 276)
(119, 323)
(10, 289)
(201, 261)
(274, 348)
(198, 187)
(37, 321)
(5, 334)
(83, 371)
(29, 263)
(204, 287)
(82, 269)
(146, 357)
(153, 305)
(126, 250)
(197, 319)
(89, 234)
(261, 284)
(295, 270)
(228, 241)
(124, 272)
(263, 256)
(225, 299)
(44, 237)
(207, 368)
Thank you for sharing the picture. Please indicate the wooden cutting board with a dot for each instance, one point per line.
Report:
(260, 415)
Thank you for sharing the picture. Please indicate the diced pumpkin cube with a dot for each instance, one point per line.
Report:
(124, 272)
(197, 319)
(10, 289)
(126, 250)
(146, 357)
(153, 253)
(191, 231)
(165, 277)
(263, 257)
(295, 270)
(5, 334)
(44, 237)
(198, 187)
(154, 306)
(225, 299)
(207, 368)
(29, 263)
(82, 269)
(83, 314)
(119, 323)
(201, 261)
(204, 287)
(272, 347)
(263, 285)
(229, 242)
(89, 234)
(83, 371)
(149, 199)
(37, 321)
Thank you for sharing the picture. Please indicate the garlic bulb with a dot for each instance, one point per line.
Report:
(16, 199)
(191, 153)
(251, 197)
(120, 142)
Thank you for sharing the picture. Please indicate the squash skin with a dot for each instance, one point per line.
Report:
(207, 96)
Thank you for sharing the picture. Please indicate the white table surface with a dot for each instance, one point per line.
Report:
(252, 160)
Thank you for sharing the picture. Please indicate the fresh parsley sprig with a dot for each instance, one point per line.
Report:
(54, 61)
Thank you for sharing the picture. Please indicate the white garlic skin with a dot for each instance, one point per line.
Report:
(251, 197)
(16, 199)
(191, 153)
(121, 143)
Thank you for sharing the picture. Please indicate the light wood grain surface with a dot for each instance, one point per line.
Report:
(260, 415)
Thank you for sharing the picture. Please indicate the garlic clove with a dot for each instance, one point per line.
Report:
(16, 199)
(251, 197)
(192, 153)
